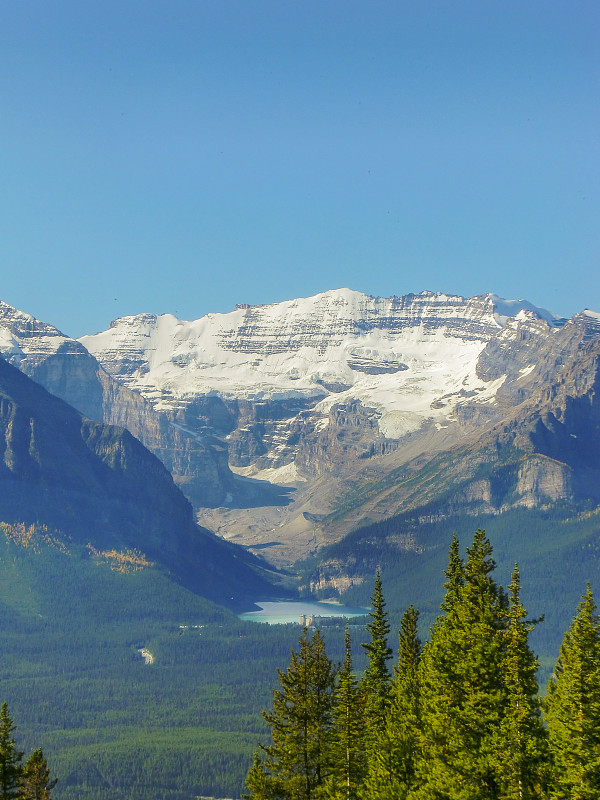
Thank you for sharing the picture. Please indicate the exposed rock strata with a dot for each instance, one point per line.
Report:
(344, 408)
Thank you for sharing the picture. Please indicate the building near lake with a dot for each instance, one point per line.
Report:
(315, 620)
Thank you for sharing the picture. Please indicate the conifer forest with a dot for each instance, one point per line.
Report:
(457, 718)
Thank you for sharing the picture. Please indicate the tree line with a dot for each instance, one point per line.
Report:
(459, 718)
(18, 781)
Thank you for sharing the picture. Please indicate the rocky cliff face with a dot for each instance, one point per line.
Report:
(286, 372)
(66, 369)
(360, 407)
(362, 404)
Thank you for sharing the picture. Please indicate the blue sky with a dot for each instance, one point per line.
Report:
(187, 155)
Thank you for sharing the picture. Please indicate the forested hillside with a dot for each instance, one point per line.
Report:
(96, 484)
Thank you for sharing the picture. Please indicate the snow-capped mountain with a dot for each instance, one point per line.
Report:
(335, 408)
(410, 358)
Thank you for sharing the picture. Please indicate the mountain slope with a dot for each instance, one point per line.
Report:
(544, 450)
(344, 409)
(321, 393)
(394, 354)
(65, 368)
(97, 484)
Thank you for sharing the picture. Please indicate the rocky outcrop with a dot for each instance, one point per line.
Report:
(348, 432)
(344, 408)
(66, 369)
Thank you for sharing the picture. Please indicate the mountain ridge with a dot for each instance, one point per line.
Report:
(66, 369)
(347, 401)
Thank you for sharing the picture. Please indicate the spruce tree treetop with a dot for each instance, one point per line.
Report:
(480, 563)
(409, 644)
(35, 780)
(348, 762)
(377, 675)
(463, 695)
(573, 708)
(376, 683)
(393, 773)
(521, 751)
(455, 578)
(298, 761)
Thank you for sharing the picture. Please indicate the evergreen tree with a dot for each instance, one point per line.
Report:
(463, 693)
(35, 780)
(455, 576)
(298, 760)
(394, 771)
(521, 743)
(573, 709)
(261, 784)
(376, 681)
(10, 757)
(348, 758)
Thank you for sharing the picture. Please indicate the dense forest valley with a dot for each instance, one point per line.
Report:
(134, 686)
(109, 723)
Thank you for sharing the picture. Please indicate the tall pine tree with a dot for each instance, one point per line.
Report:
(463, 692)
(376, 682)
(348, 757)
(455, 576)
(298, 760)
(35, 780)
(521, 749)
(393, 774)
(573, 709)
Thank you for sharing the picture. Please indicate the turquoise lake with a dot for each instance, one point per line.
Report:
(281, 612)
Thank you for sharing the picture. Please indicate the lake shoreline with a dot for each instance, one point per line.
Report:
(285, 612)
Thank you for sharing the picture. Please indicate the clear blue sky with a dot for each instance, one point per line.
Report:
(187, 155)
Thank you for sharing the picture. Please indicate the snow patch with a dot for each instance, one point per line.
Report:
(286, 475)
(525, 371)
(9, 346)
(504, 309)
(396, 424)
(410, 358)
(591, 314)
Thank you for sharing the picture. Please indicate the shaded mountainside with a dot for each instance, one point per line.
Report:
(97, 484)
(66, 369)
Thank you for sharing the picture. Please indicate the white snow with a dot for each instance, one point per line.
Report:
(322, 347)
(286, 475)
(8, 344)
(510, 308)
(412, 359)
(524, 371)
